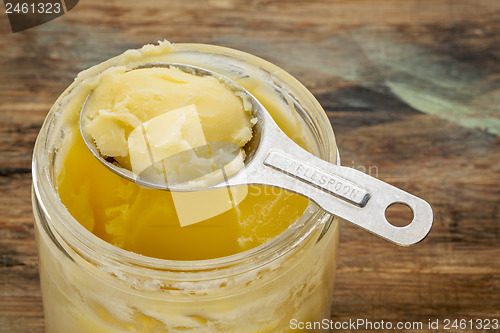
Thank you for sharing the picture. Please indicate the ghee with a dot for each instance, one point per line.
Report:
(283, 254)
(146, 221)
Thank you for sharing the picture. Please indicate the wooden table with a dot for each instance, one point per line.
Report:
(412, 89)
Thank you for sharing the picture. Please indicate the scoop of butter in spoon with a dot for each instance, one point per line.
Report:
(271, 159)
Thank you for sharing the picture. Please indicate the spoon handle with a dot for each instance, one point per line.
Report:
(345, 192)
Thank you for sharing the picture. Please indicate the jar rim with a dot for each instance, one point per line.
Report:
(76, 238)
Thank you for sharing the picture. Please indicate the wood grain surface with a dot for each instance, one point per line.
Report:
(412, 89)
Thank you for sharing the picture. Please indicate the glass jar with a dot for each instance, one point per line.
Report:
(89, 285)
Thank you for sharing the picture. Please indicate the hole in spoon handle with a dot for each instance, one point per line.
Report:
(350, 194)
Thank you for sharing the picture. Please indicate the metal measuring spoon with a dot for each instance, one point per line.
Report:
(274, 159)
